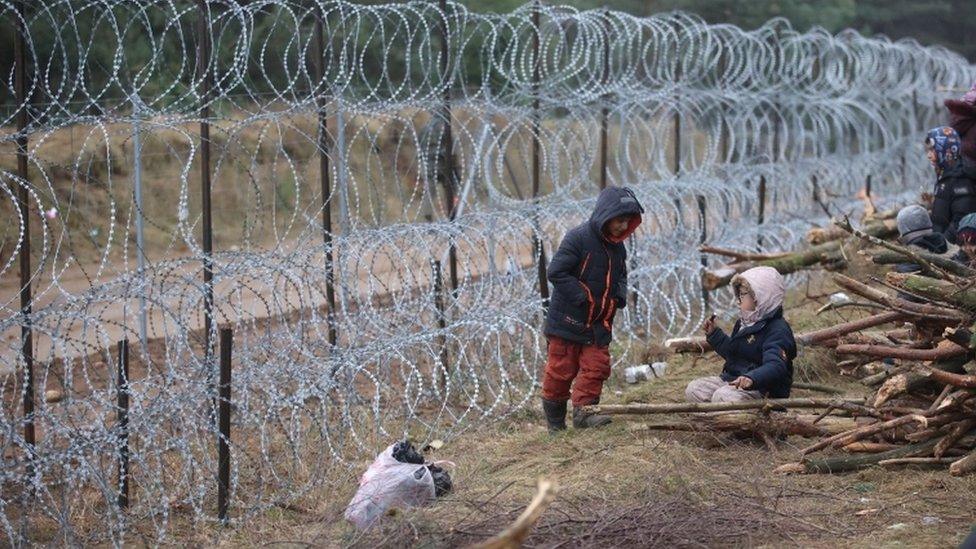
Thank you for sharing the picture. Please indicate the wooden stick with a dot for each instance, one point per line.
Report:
(861, 432)
(513, 536)
(933, 462)
(941, 352)
(958, 431)
(963, 466)
(739, 256)
(833, 332)
(688, 345)
(949, 378)
(817, 387)
(689, 407)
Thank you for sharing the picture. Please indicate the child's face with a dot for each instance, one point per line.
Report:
(617, 226)
(969, 248)
(930, 153)
(746, 301)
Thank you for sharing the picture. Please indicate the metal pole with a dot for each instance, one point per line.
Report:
(604, 111)
(26, 330)
(762, 210)
(326, 182)
(205, 74)
(448, 160)
(441, 320)
(537, 244)
(122, 420)
(140, 241)
(223, 443)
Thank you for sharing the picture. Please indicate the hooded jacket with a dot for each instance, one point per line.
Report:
(763, 351)
(589, 272)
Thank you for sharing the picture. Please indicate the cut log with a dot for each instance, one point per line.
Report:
(869, 447)
(941, 352)
(941, 290)
(841, 464)
(891, 257)
(963, 466)
(833, 332)
(688, 345)
(879, 229)
(958, 431)
(919, 462)
(690, 407)
(914, 381)
(949, 378)
(962, 336)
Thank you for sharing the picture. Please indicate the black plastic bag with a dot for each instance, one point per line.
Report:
(442, 480)
(404, 452)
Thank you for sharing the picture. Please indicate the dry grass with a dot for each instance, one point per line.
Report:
(624, 486)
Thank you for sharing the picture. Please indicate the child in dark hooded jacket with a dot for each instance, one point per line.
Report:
(589, 277)
(966, 237)
(955, 193)
(760, 351)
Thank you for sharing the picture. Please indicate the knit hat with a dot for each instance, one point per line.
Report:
(967, 228)
(913, 223)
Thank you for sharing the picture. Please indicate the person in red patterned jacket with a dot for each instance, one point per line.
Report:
(589, 277)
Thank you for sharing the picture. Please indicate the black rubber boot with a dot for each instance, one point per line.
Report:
(582, 420)
(555, 414)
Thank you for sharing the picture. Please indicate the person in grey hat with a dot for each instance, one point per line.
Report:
(915, 229)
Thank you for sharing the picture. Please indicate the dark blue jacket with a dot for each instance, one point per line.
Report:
(763, 352)
(933, 243)
(955, 197)
(589, 273)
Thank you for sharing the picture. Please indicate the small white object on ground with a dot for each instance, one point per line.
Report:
(839, 297)
(645, 372)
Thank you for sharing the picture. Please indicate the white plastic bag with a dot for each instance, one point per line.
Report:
(386, 484)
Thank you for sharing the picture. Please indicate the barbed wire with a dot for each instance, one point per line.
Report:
(691, 110)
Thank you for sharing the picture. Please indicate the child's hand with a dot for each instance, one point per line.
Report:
(709, 325)
(741, 382)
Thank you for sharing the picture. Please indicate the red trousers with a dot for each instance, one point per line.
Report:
(589, 365)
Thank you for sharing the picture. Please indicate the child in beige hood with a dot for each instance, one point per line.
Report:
(759, 354)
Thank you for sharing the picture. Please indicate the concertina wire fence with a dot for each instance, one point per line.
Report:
(410, 303)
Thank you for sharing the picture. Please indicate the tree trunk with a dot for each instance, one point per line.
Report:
(963, 466)
(891, 257)
(841, 464)
(911, 382)
(932, 288)
(944, 351)
(833, 332)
